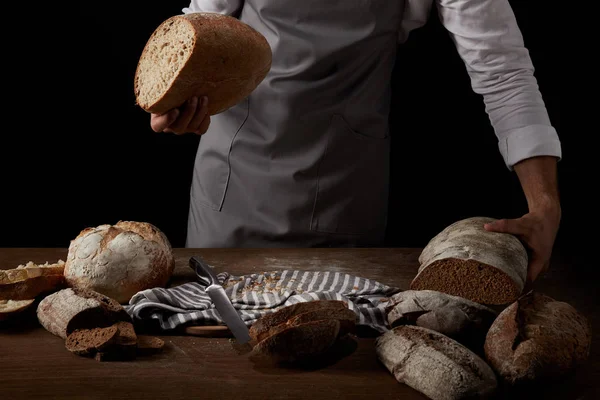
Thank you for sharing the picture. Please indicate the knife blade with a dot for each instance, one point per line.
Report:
(222, 303)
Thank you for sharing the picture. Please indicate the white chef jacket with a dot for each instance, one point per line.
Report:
(302, 35)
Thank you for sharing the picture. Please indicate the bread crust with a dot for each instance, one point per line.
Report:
(30, 280)
(120, 260)
(460, 319)
(537, 338)
(228, 61)
(466, 260)
(261, 328)
(435, 365)
(68, 309)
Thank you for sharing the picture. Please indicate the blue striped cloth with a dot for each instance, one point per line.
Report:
(256, 295)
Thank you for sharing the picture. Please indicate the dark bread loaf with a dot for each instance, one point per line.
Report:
(302, 330)
(200, 54)
(68, 309)
(85, 342)
(537, 338)
(467, 261)
(435, 365)
(299, 342)
(460, 319)
(261, 327)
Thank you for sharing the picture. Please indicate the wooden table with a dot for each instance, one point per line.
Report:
(35, 364)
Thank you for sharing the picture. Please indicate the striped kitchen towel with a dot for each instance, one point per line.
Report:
(258, 294)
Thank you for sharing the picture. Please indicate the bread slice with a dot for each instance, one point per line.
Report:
(86, 342)
(261, 327)
(297, 343)
(149, 345)
(435, 365)
(200, 54)
(10, 308)
(30, 280)
(69, 309)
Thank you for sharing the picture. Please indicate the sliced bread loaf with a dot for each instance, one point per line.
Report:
(68, 309)
(467, 261)
(260, 329)
(86, 342)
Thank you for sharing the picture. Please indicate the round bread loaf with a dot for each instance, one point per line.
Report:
(200, 54)
(119, 260)
(537, 338)
(467, 261)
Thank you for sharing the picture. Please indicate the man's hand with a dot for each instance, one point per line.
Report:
(538, 228)
(192, 117)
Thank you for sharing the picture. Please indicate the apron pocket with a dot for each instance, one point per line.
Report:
(352, 184)
(212, 166)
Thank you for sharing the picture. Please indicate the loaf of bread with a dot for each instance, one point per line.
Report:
(537, 338)
(120, 260)
(467, 261)
(435, 365)
(460, 319)
(69, 309)
(30, 280)
(303, 312)
(301, 331)
(200, 54)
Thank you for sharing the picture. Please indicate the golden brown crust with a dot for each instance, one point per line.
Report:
(31, 287)
(228, 61)
(120, 260)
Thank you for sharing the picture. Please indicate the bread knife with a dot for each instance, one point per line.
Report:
(222, 303)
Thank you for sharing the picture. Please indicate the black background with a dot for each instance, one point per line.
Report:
(77, 152)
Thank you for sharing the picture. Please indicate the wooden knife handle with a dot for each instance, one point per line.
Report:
(208, 331)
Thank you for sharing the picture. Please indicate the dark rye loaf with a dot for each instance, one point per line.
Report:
(262, 328)
(435, 365)
(467, 261)
(68, 309)
(537, 338)
(301, 331)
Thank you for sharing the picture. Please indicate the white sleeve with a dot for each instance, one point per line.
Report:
(228, 7)
(490, 43)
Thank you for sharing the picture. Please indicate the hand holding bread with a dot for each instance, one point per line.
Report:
(192, 117)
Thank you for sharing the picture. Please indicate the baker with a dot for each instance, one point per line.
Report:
(304, 160)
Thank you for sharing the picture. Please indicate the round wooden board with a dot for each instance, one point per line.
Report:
(208, 331)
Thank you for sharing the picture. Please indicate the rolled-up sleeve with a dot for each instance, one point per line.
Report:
(491, 45)
(227, 7)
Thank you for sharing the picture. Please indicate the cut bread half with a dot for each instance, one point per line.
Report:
(28, 281)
